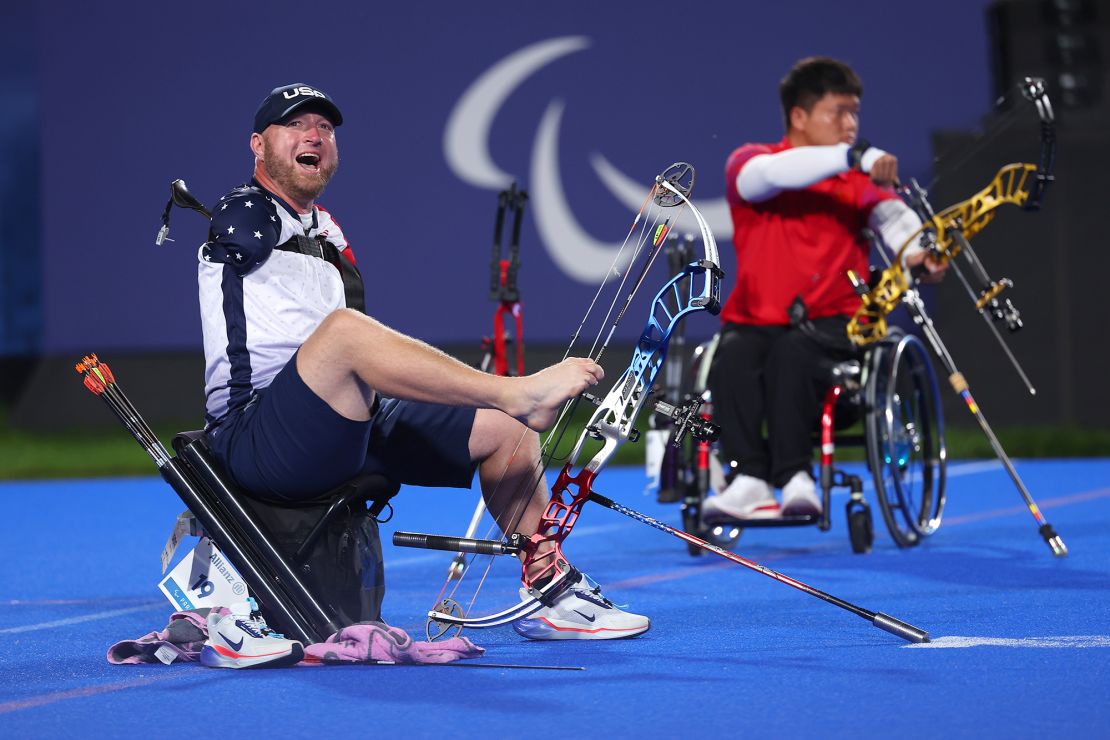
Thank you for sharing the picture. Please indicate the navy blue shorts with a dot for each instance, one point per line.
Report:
(288, 444)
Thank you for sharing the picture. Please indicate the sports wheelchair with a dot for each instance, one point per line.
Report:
(892, 390)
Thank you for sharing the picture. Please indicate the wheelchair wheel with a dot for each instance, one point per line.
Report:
(861, 532)
(697, 476)
(724, 536)
(905, 438)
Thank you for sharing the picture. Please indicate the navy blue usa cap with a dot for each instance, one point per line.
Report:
(282, 101)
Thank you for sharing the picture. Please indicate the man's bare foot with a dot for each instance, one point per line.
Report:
(540, 395)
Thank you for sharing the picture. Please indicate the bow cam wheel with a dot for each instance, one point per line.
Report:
(436, 629)
(681, 177)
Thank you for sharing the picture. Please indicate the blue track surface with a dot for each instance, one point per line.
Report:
(731, 651)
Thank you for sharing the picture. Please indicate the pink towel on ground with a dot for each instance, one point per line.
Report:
(184, 635)
(376, 642)
(369, 642)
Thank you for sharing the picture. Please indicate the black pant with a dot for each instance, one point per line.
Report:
(775, 374)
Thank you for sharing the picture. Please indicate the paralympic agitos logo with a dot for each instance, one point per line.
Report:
(466, 146)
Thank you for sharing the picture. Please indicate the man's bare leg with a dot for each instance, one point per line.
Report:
(350, 356)
(509, 471)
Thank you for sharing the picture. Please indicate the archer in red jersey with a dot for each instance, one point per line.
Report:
(799, 207)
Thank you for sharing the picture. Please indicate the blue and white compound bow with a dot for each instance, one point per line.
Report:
(546, 571)
(696, 288)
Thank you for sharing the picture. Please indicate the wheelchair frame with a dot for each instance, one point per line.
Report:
(896, 386)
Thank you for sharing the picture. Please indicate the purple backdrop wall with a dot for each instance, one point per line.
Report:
(135, 94)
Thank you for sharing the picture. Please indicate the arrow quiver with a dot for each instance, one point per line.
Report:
(308, 585)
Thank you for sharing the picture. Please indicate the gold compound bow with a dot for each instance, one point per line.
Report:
(946, 235)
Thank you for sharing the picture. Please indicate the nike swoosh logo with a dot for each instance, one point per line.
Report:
(588, 617)
(236, 646)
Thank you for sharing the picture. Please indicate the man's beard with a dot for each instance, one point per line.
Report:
(295, 181)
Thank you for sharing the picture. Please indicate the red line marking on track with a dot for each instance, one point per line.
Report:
(42, 699)
(670, 575)
(1051, 503)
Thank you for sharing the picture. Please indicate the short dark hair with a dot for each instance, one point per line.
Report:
(810, 79)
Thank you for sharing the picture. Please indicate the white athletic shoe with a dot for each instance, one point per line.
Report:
(799, 496)
(581, 613)
(745, 498)
(241, 639)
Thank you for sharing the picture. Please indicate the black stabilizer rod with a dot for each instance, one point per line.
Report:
(894, 626)
(454, 544)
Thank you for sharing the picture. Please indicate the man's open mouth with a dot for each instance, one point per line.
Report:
(309, 161)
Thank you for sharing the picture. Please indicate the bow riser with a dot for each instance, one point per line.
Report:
(613, 419)
(544, 552)
(948, 231)
(1021, 184)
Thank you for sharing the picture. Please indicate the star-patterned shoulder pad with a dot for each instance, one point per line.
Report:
(245, 229)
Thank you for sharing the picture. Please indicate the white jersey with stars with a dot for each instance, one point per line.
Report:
(262, 291)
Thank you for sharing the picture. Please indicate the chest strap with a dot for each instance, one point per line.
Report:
(354, 291)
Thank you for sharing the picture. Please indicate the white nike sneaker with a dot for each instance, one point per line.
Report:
(745, 498)
(241, 639)
(581, 613)
(799, 496)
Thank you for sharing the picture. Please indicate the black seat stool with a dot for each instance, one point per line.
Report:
(314, 566)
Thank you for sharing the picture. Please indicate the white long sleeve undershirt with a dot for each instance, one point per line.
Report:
(766, 175)
(895, 222)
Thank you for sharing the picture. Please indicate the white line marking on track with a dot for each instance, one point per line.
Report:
(83, 618)
(953, 471)
(1063, 641)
